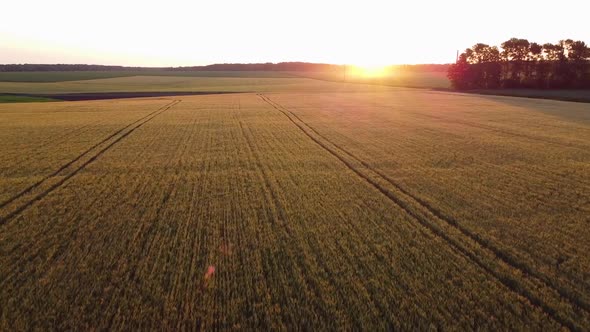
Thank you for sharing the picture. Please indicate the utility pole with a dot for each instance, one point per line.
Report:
(457, 58)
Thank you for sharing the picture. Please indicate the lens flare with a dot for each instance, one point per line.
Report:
(369, 71)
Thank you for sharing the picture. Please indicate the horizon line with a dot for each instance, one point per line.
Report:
(216, 64)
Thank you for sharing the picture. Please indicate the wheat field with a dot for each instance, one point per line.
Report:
(374, 209)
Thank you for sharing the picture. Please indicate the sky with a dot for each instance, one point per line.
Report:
(184, 32)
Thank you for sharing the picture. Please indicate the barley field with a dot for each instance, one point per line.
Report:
(298, 204)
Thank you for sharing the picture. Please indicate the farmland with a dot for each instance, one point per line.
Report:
(64, 76)
(396, 78)
(4, 98)
(179, 84)
(245, 81)
(48, 85)
(296, 203)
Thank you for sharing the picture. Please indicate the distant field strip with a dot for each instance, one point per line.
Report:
(518, 276)
(96, 146)
(49, 183)
(115, 95)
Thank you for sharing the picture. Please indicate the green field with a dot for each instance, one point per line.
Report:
(22, 99)
(300, 204)
(62, 76)
(175, 83)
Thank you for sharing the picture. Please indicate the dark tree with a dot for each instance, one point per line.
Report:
(522, 64)
(461, 73)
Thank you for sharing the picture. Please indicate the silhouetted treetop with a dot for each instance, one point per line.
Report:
(523, 64)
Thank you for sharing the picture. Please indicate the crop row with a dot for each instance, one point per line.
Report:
(221, 213)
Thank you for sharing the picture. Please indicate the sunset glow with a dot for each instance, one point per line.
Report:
(369, 71)
(182, 32)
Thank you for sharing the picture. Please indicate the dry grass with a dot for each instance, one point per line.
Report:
(372, 210)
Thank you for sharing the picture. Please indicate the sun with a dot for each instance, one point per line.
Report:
(369, 70)
(374, 71)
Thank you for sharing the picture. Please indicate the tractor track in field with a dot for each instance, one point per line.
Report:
(281, 213)
(61, 139)
(432, 219)
(66, 165)
(114, 138)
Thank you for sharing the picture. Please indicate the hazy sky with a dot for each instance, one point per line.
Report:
(368, 32)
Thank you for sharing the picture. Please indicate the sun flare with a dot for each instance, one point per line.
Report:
(369, 71)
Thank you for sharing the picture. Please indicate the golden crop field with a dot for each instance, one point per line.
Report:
(295, 208)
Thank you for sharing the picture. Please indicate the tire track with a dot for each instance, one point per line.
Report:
(80, 156)
(280, 212)
(511, 133)
(571, 295)
(510, 260)
(138, 123)
(148, 234)
(470, 246)
(57, 143)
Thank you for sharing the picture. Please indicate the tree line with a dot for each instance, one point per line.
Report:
(519, 63)
(66, 67)
(268, 66)
(282, 66)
